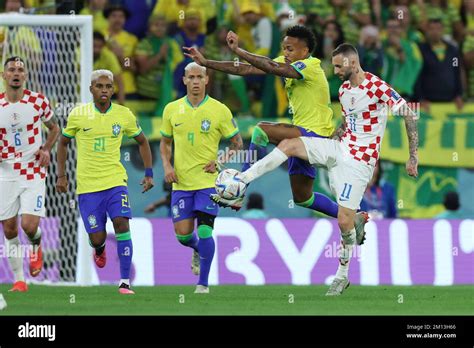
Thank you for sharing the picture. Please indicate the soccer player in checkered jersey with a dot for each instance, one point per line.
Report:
(351, 154)
(23, 163)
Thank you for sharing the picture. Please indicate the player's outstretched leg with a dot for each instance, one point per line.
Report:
(258, 146)
(341, 282)
(206, 250)
(15, 257)
(125, 252)
(30, 224)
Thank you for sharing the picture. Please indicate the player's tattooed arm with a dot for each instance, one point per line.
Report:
(412, 133)
(234, 68)
(339, 132)
(260, 62)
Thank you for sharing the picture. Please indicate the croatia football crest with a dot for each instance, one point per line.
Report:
(116, 128)
(205, 125)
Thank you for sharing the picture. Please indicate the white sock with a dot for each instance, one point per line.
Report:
(125, 281)
(347, 244)
(34, 241)
(265, 165)
(15, 258)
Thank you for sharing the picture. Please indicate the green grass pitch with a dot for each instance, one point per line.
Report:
(240, 300)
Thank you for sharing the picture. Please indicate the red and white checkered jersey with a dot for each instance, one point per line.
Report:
(365, 109)
(20, 136)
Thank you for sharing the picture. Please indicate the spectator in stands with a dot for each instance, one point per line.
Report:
(123, 45)
(440, 77)
(162, 202)
(105, 59)
(404, 17)
(446, 12)
(261, 28)
(332, 36)
(188, 36)
(140, 12)
(452, 206)
(255, 207)
(157, 57)
(467, 14)
(96, 9)
(403, 61)
(371, 54)
(352, 15)
(173, 11)
(379, 199)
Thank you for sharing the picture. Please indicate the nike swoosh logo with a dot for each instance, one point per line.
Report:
(211, 207)
(37, 209)
(350, 110)
(86, 129)
(178, 124)
(343, 199)
(14, 125)
(125, 211)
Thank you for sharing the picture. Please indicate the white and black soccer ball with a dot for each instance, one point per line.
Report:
(228, 187)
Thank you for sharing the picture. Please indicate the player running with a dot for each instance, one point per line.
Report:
(365, 101)
(23, 162)
(101, 179)
(196, 123)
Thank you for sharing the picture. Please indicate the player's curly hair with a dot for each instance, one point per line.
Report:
(303, 33)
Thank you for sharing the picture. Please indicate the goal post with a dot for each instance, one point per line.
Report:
(58, 52)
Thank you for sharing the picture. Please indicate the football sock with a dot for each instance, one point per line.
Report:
(206, 248)
(347, 244)
(258, 146)
(125, 253)
(15, 258)
(270, 162)
(321, 203)
(189, 240)
(35, 240)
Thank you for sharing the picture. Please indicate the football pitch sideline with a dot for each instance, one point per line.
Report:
(240, 300)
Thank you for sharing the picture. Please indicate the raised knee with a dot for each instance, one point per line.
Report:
(288, 146)
(345, 222)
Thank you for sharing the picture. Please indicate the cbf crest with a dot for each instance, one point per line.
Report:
(205, 126)
(116, 128)
(92, 221)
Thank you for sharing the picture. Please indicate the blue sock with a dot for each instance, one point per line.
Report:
(189, 240)
(125, 253)
(206, 248)
(258, 146)
(321, 203)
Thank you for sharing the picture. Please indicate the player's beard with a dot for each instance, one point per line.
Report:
(347, 75)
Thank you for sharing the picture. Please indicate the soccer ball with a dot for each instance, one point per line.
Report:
(228, 187)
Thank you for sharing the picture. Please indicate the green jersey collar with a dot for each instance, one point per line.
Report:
(201, 103)
(106, 111)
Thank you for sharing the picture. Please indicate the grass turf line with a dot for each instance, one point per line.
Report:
(240, 300)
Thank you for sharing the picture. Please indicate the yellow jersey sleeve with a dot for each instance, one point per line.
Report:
(228, 126)
(166, 129)
(301, 66)
(132, 129)
(72, 125)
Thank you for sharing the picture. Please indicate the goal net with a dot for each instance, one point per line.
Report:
(57, 50)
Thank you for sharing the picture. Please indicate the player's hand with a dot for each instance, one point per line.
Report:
(61, 184)
(170, 176)
(195, 55)
(232, 40)
(43, 157)
(412, 166)
(147, 183)
(211, 167)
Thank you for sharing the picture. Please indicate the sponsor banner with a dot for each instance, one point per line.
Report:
(294, 251)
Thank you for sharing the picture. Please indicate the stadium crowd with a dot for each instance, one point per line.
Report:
(412, 44)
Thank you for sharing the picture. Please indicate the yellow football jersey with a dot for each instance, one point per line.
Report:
(99, 137)
(196, 133)
(310, 102)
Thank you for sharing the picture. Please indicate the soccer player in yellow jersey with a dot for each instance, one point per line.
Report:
(98, 128)
(196, 123)
(308, 93)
